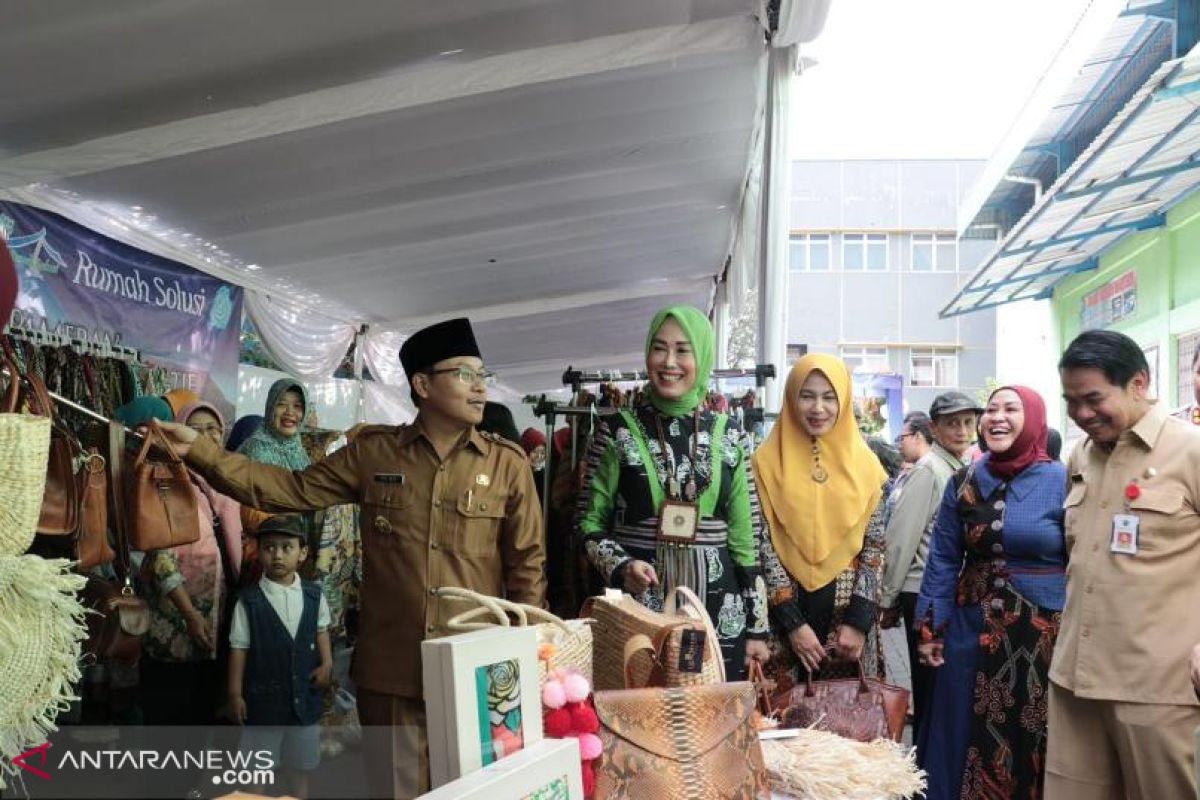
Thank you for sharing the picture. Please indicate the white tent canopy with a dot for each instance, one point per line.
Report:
(555, 169)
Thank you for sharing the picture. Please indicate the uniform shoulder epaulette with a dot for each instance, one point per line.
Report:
(496, 438)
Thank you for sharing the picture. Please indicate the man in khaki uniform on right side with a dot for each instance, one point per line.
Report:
(1122, 706)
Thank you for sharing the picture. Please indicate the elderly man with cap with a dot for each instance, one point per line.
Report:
(442, 505)
(955, 420)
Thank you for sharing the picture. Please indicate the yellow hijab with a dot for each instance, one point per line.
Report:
(817, 528)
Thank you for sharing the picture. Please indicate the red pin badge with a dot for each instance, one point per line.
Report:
(1133, 491)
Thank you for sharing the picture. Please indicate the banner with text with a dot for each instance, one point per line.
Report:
(79, 283)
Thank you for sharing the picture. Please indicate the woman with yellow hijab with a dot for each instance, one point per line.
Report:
(821, 490)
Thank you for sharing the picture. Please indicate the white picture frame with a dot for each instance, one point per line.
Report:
(547, 770)
(489, 674)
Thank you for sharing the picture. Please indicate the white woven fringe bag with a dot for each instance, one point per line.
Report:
(41, 619)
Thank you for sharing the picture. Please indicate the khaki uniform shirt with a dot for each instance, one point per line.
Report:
(472, 520)
(1131, 621)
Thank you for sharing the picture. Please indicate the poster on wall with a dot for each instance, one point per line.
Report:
(1111, 303)
(880, 399)
(80, 284)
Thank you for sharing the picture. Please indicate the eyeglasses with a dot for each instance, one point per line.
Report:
(467, 375)
(900, 439)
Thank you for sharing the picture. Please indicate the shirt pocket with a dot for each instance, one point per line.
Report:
(478, 518)
(1072, 511)
(385, 509)
(1157, 511)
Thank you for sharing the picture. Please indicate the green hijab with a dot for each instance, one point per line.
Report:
(267, 445)
(143, 409)
(699, 332)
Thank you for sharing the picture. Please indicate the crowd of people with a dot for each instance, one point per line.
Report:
(1049, 608)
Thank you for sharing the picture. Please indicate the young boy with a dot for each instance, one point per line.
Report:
(280, 656)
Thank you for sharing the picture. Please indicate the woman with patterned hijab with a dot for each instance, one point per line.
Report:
(821, 489)
(667, 498)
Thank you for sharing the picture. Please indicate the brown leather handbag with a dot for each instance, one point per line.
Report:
(698, 742)
(91, 547)
(60, 501)
(162, 504)
(115, 631)
(862, 708)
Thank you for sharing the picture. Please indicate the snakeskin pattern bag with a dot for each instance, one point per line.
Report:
(698, 742)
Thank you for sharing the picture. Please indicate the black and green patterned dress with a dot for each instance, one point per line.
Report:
(618, 517)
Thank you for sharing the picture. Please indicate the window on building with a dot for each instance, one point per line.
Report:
(866, 359)
(934, 252)
(864, 251)
(933, 366)
(809, 252)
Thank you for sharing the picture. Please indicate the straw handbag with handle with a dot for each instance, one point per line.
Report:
(682, 642)
(572, 639)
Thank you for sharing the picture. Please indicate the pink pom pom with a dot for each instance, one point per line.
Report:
(590, 746)
(554, 695)
(557, 723)
(577, 688)
(583, 719)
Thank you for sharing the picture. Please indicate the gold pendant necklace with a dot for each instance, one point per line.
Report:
(818, 472)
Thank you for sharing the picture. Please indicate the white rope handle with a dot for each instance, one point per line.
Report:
(487, 605)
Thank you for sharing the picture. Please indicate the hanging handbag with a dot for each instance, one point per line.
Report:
(571, 639)
(162, 503)
(686, 651)
(862, 708)
(698, 742)
(60, 501)
(91, 547)
(115, 631)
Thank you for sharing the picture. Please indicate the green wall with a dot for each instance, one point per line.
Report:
(1167, 263)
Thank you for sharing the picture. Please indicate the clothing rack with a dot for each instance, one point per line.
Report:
(71, 404)
(576, 378)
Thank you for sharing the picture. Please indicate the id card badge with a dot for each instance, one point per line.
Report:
(1125, 534)
(678, 522)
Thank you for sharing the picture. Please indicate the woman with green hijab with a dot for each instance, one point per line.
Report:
(277, 441)
(672, 454)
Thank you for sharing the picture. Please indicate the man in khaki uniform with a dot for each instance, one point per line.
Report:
(1122, 707)
(442, 505)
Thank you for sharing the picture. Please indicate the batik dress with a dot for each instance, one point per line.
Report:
(618, 517)
(993, 593)
(852, 598)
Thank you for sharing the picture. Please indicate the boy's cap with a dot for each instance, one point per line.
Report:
(283, 525)
(952, 403)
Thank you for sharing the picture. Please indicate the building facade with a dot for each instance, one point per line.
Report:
(873, 258)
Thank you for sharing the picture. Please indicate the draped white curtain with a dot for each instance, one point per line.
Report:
(304, 342)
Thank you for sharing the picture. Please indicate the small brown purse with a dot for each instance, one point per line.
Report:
(698, 742)
(161, 500)
(863, 709)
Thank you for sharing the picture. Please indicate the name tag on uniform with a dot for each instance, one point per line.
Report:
(1125, 534)
(394, 478)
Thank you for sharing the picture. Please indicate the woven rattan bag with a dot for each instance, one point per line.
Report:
(571, 639)
(621, 619)
(24, 450)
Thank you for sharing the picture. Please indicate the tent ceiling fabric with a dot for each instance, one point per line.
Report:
(560, 167)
